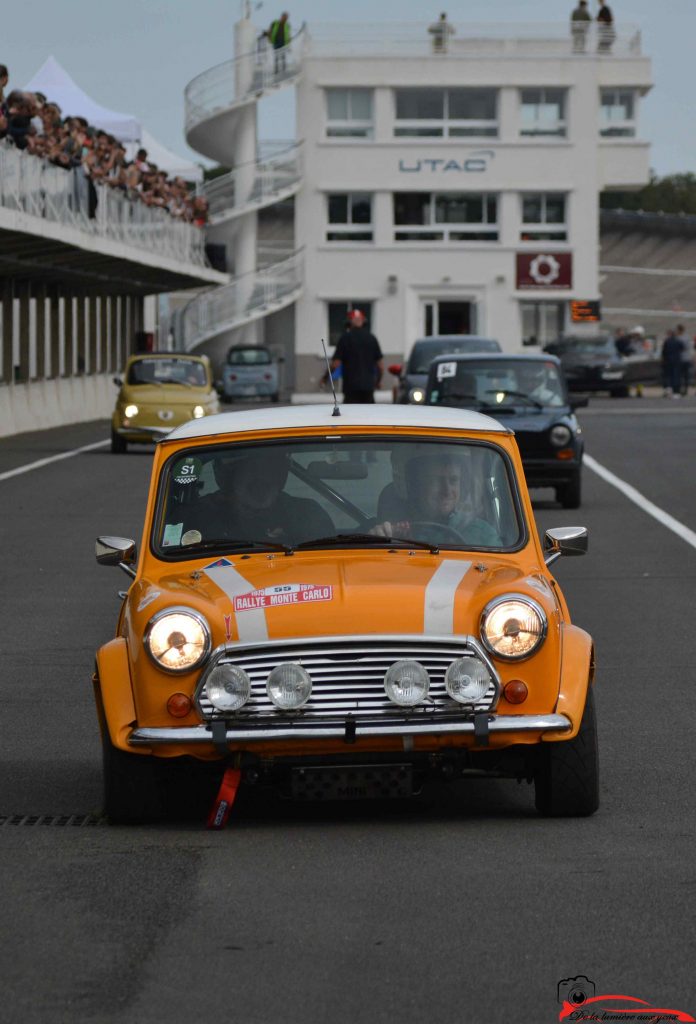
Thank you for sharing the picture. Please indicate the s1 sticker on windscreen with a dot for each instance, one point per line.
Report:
(284, 594)
(187, 471)
(172, 535)
(446, 370)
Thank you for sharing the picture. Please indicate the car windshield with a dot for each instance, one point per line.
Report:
(337, 494)
(168, 371)
(249, 357)
(583, 346)
(496, 384)
(425, 351)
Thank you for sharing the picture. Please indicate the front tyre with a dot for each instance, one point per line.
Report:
(566, 778)
(131, 786)
(118, 444)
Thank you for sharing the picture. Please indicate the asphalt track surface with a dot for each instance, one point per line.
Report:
(460, 906)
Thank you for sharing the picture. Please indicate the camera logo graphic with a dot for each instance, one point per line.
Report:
(575, 991)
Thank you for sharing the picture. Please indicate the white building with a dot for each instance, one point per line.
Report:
(443, 188)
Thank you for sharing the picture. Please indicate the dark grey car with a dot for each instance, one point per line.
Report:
(413, 376)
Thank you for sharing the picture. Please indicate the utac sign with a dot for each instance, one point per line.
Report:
(544, 270)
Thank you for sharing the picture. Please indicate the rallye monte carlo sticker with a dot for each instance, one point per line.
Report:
(284, 594)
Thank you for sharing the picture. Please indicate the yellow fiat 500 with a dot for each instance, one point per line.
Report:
(343, 606)
(159, 391)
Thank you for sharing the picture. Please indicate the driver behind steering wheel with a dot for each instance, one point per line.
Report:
(434, 495)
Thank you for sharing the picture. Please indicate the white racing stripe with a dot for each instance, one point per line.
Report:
(251, 623)
(52, 458)
(683, 532)
(438, 616)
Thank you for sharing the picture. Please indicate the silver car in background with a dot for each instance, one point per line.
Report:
(250, 371)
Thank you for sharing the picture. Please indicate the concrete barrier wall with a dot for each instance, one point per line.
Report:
(39, 405)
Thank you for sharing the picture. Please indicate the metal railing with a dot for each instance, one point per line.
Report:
(242, 79)
(499, 39)
(247, 298)
(37, 188)
(234, 193)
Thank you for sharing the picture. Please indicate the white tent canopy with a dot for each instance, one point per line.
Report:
(56, 84)
(175, 166)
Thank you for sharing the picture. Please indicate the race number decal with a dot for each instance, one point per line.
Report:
(284, 594)
(446, 370)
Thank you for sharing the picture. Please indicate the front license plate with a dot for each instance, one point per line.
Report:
(354, 782)
(612, 375)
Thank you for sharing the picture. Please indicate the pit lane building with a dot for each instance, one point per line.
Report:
(443, 189)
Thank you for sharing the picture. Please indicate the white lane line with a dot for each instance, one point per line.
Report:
(53, 458)
(642, 502)
(440, 592)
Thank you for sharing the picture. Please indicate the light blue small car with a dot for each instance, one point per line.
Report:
(250, 371)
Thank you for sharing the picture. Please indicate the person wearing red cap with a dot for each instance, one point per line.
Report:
(360, 358)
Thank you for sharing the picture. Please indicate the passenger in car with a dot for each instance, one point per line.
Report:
(250, 503)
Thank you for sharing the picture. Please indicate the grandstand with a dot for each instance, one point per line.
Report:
(648, 270)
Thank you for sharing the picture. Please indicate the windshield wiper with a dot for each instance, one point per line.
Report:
(184, 383)
(367, 538)
(226, 544)
(516, 394)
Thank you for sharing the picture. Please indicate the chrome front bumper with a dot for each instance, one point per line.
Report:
(146, 737)
(134, 433)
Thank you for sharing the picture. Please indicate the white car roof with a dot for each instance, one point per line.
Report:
(296, 416)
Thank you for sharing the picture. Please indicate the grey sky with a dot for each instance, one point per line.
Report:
(136, 56)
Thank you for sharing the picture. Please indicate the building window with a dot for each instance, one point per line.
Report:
(544, 217)
(349, 217)
(617, 113)
(446, 113)
(543, 112)
(349, 113)
(542, 322)
(445, 217)
(338, 312)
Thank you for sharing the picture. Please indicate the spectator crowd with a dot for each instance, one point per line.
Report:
(31, 122)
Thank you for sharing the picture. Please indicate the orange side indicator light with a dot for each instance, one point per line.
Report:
(179, 705)
(515, 691)
(565, 453)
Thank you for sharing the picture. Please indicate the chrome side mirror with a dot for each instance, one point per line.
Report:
(117, 551)
(565, 540)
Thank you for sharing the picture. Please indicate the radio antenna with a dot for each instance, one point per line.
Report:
(336, 408)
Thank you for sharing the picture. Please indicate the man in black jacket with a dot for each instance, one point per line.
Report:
(360, 358)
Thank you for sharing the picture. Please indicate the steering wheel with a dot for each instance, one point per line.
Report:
(449, 531)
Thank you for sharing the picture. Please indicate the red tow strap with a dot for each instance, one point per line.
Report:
(220, 811)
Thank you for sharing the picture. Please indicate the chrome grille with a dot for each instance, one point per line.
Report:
(348, 679)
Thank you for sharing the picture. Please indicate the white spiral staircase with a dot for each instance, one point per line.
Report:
(221, 124)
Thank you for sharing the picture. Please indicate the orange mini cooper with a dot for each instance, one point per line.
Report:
(342, 606)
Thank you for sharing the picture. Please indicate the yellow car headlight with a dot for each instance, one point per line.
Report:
(177, 639)
(513, 626)
(130, 411)
(198, 411)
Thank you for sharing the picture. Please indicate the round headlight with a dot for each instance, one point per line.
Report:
(406, 683)
(228, 687)
(198, 411)
(130, 411)
(177, 640)
(289, 686)
(416, 395)
(513, 627)
(467, 680)
(560, 435)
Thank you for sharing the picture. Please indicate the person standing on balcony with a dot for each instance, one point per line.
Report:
(441, 30)
(605, 25)
(360, 358)
(279, 38)
(580, 20)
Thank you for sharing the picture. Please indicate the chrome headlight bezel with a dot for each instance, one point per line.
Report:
(513, 598)
(178, 610)
(566, 435)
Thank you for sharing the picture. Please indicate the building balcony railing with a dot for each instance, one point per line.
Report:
(274, 178)
(249, 297)
(357, 39)
(37, 188)
(241, 79)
